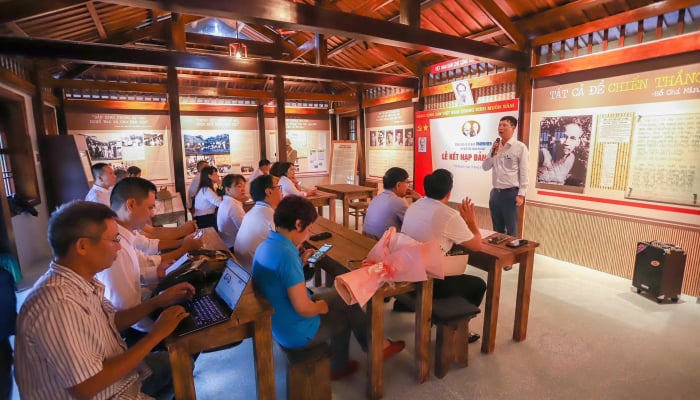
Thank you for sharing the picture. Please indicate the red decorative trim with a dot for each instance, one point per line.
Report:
(658, 207)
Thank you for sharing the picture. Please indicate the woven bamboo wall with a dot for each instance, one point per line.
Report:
(605, 243)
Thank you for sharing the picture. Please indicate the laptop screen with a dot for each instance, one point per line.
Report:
(232, 284)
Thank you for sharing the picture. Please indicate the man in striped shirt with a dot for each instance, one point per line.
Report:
(68, 343)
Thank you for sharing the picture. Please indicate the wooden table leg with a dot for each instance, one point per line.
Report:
(183, 380)
(346, 211)
(424, 311)
(375, 309)
(331, 210)
(320, 211)
(522, 302)
(493, 295)
(264, 366)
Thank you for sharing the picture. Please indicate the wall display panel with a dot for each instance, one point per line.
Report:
(390, 139)
(620, 140)
(229, 143)
(459, 139)
(344, 162)
(311, 139)
(123, 140)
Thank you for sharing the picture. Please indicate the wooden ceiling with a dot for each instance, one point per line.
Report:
(324, 47)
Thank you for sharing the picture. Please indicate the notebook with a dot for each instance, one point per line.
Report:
(217, 307)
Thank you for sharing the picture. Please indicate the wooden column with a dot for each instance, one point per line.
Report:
(38, 101)
(333, 118)
(261, 129)
(177, 42)
(523, 91)
(281, 120)
(409, 13)
(360, 132)
(321, 49)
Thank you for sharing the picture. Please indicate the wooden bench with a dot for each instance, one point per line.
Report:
(309, 373)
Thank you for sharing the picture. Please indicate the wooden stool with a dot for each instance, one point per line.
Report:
(451, 317)
(309, 373)
(357, 209)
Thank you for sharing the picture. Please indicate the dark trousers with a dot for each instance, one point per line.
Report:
(5, 369)
(337, 325)
(206, 221)
(471, 287)
(504, 212)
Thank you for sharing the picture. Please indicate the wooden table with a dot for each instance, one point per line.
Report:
(252, 318)
(321, 199)
(491, 259)
(349, 247)
(348, 193)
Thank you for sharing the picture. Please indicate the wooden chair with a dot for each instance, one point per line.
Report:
(309, 373)
(358, 209)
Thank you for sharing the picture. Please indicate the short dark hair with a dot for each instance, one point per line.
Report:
(130, 188)
(98, 168)
(259, 185)
(512, 120)
(293, 208)
(438, 184)
(393, 176)
(263, 162)
(280, 169)
(74, 220)
(133, 170)
(232, 180)
(120, 174)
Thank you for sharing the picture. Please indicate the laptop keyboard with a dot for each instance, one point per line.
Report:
(205, 311)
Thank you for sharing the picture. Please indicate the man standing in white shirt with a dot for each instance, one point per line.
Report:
(134, 201)
(258, 222)
(430, 218)
(389, 207)
(67, 342)
(105, 179)
(230, 214)
(508, 159)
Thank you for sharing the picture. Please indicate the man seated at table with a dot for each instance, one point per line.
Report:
(431, 218)
(154, 239)
(300, 321)
(263, 169)
(230, 214)
(66, 344)
(389, 207)
(104, 180)
(133, 200)
(258, 222)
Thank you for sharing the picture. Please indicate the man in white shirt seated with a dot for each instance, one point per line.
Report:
(67, 344)
(105, 179)
(258, 222)
(263, 169)
(133, 199)
(389, 207)
(230, 215)
(430, 218)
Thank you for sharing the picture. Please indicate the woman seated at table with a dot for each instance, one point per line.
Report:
(300, 321)
(231, 213)
(206, 200)
(288, 180)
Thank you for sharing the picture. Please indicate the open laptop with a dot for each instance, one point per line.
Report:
(217, 307)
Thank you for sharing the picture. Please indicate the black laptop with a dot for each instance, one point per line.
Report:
(217, 307)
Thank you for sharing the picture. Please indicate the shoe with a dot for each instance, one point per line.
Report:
(349, 369)
(473, 337)
(507, 267)
(393, 348)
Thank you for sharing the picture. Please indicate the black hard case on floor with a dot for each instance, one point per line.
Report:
(659, 269)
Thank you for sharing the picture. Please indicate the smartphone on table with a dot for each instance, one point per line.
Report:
(320, 253)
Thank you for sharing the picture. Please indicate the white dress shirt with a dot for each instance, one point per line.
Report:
(258, 172)
(146, 245)
(192, 190)
(428, 219)
(229, 219)
(288, 188)
(205, 202)
(98, 194)
(509, 166)
(255, 228)
(124, 278)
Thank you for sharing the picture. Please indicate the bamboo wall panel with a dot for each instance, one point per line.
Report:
(606, 243)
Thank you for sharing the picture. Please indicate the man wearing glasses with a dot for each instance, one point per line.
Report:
(67, 344)
(258, 222)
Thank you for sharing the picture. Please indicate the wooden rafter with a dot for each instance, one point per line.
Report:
(494, 12)
(96, 20)
(16, 29)
(400, 59)
(15, 10)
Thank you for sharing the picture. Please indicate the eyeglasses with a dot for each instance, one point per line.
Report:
(115, 240)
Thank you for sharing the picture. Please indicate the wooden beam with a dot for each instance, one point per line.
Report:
(475, 83)
(106, 86)
(494, 12)
(281, 120)
(108, 54)
(302, 17)
(272, 50)
(15, 81)
(321, 45)
(96, 20)
(687, 43)
(176, 42)
(302, 50)
(16, 29)
(262, 134)
(651, 10)
(15, 10)
(405, 96)
(396, 55)
(409, 13)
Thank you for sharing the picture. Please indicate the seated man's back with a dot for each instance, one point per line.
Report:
(255, 228)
